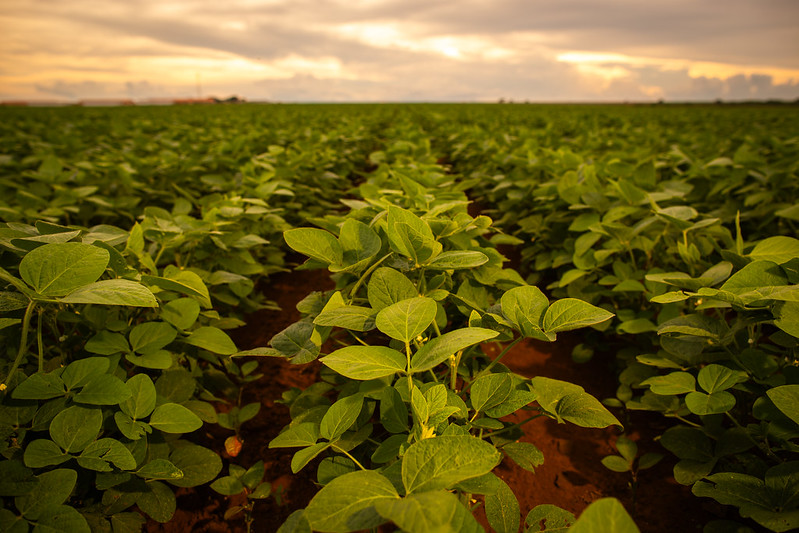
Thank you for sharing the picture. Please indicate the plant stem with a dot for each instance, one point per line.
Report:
(514, 426)
(408, 356)
(39, 341)
(365, 275)
(488, 368)
(354, 460)
(761, 446)
(23, 343)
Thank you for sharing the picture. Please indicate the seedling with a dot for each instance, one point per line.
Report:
(628, 461)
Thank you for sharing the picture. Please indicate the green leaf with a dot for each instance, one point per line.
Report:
(305, 456)
(490, 390)
(151, 336)
(365, 362)
(57, 269)
(315, 243)
(181, 313)
(669, 297)
(159, 469)
(54, 488)
(553, 518)
(779, 249)
(570, 313)
(296, 523)
(212, 339)
(75, 427)
(81, 372)
(61, 519)
(100, 452)
(107, 343)
(441, 462)
(112, 292)
(40, 387)
(393, 411)
(183, 282)
(341, 416)
(296, 342)
(44, 452)
(351, 317)
(616, 463)
(174, 418)
(525, 307)
(702, 404)
(302, 434)
(142, 397)
(199, 465)
(407, 319)
(411, 236)
(105, 389)
(157, 501)
(694, 325)
(438, 349)
(787, 317)
(437, 511)
(348, 502)
(786, 399)
(714, 378)
(227, 485)
(127, 522)
(603, 515)
(502, 510)
(359, 243)
(567, 401)
(158, 360)
(673, 383)
(388, 286)
(457, 260)
(627, 448)
(524, 454)
(16, 479)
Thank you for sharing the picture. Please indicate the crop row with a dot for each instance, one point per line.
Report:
(134, 239)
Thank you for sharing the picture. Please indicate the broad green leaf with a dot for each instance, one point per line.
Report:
(673, 383)
(604, 515)
(502, 510)
(490, 390)
(75, 427)
(525, 307)
(296, 523)
(315, 243)
(714, 378)
(359, 243)
(437, 511)
(8, 322)
(702, 404)
(351, 317)
(365, 362)
(181, 313)
(40, 387)
(553, 518)
(44, 452)
(53, 489)
(99, 453)
(158, 360)
(457, 260)
(296, 342)
(524, 454)
(388, 286)
(779, 249)
(174, 418)
(419, 406)
(567, 401)
(212, 339)
(227, 485)
(438, 349)
(411, 236)
(305, 456)
(616, 463)
(348, 502)
(59, 268)
(142, 397)
(105, 389)
(107, 343)
(13, 301)
(183, 282)
(570, 313)
(302, 434)
(112, 292)
(393, 411)
(787, 317)
(694, 325)
(670, 297)
(441, 462)
(627, 448)
(61, 519)
(340, 417)
(157, 501)
(159, 469)
(151, 336)
(688, 443)
(132, 429)
(786, 399)
(16, 479)
(81, 372)
(407, 319)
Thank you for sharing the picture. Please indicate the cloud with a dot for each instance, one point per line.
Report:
(377, 50)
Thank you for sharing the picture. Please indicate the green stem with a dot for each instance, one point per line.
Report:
(408, 356)
(454, 363)
(487, 369)
(764, 449)
(514, 426)
(686, 421)
(365, 275)
(23, 343)
(39, 341)
(354, 460)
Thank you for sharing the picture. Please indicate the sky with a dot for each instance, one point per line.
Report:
(400, 50)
